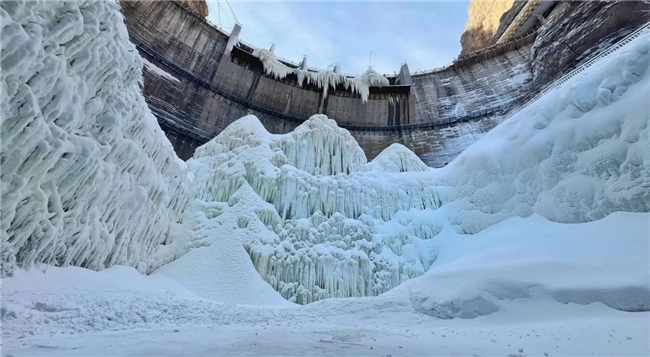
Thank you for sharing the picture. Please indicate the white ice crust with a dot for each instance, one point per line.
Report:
(88, 177)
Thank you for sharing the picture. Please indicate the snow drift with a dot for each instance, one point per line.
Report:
(88, 177)
(323, 222)
(532, 258)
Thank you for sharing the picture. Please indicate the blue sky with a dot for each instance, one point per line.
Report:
(426, 34)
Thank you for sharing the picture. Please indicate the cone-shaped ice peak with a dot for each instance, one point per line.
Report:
(320, 147)
(398, 158)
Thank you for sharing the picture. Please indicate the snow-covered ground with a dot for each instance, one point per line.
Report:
(550, 294)
(533, 241)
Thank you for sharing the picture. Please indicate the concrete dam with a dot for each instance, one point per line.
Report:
(198, 79)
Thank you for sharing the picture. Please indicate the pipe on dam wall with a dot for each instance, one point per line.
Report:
(196, 90)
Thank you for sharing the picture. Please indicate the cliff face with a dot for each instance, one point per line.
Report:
(483, 21)
(198, 6)
(577, 30)
(507, 18)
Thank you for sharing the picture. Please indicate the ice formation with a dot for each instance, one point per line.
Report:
(577, 154)
(88, 177)
(322, 79)
(337, 225)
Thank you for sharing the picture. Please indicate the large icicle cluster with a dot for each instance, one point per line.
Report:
(88, 177)
(326, 223)
(322, 234)
(322, 79)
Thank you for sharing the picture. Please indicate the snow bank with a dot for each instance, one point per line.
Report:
(322, 79)
(88, 177)
(323, 222)
(532, 258)
(520, 272)
(51, 300)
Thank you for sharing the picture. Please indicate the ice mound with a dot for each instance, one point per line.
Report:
(339, 226)
(216, 266)
(319, 235)
(398, 158)
(88, 178)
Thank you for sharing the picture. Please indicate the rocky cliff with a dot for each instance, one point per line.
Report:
(507, 18)
(483, 20)
(198, 6)
(578, 30)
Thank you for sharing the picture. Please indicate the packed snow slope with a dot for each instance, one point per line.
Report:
(88, 177)
(319, 221)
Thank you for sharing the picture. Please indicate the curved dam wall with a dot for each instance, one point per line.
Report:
(195, 90)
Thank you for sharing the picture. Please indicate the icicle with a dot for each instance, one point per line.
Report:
(322, 79)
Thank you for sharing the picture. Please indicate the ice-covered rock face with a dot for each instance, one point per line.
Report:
(577, 154)
(339, 226)
(88, 177)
